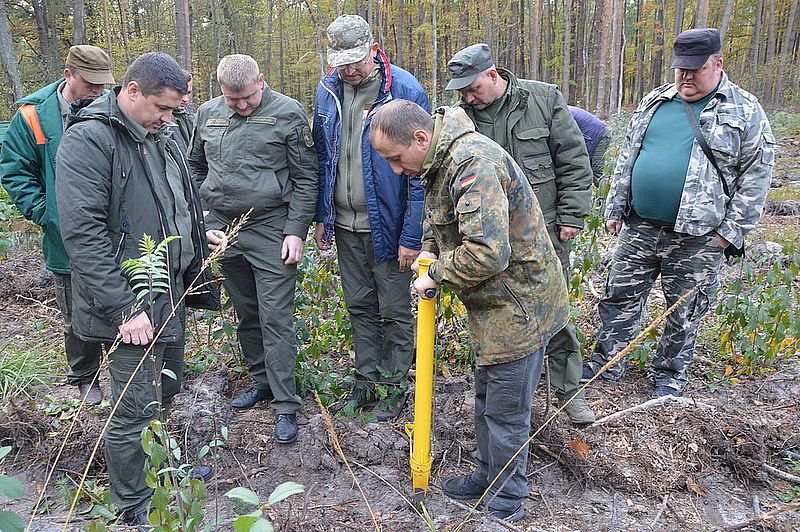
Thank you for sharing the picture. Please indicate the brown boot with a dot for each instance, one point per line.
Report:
(578, 410)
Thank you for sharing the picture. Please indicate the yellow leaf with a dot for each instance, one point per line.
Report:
(728, 370)
(580, 447)
(446, 372)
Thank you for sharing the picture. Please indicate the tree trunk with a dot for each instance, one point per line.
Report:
(677, 27)
(786, 52)
(701, 14)
(565, 73)
(107, 29)
(616, 45)
(79, 22)
(435, 28)
(639, 89)
(726, 20)
(9, 58)
(658, 54)
(602, 64)
(535, 18)
(46, 43)
(183, 34)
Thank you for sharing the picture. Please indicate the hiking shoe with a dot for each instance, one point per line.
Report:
(202, 472)
(250, 398)
(510, 516)
(390, 411)
(286, 428)
(587, 373)
(462, 488)
(661, 390)
(137, 519)
(578, 410)
(357, 398)
(91, 393)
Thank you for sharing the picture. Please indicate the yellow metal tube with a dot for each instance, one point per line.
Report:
(419, 432)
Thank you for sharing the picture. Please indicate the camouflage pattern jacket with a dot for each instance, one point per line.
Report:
(739, 134)
(484, 224)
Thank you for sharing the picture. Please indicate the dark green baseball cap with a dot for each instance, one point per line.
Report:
(467, 64)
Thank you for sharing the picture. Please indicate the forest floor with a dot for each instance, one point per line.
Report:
(696, 464)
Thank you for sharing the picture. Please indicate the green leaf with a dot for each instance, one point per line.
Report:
(244, 523)
(262, 525)
(11, 488)
(160, 498)
(4, 451)
(11, 522)
(169, 373)
(285, 490)
(244, 495)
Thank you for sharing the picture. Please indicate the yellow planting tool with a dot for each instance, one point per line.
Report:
(419, 432)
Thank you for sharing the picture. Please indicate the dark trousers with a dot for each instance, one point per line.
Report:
(147, 397)
(83, 357)
(379, 302)
(264, 300)
(503, 398)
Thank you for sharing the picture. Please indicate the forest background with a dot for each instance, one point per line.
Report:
(604, 54)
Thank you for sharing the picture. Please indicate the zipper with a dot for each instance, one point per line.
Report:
(516, 300)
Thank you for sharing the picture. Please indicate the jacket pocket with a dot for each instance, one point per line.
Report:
(470, 217)
(541, 175)
(258, 191)
(531, 142)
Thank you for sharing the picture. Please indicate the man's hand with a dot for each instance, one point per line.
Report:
(406, 257)
(292, 249)
(137, 331)
(216, 238)
(420, 256)
(423, 284)
(614, 226)
(721, 241)
(567, 233)
(319, 229)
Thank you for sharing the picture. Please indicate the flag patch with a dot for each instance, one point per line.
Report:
(467, 180)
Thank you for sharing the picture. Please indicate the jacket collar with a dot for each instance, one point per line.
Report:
(335, 84)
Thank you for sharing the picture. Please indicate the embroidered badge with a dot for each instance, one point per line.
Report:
(307, 138)
(467, 180)
(217, 122)
(269, 120)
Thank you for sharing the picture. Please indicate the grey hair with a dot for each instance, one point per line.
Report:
(154, 72)
(399, 119)
(237, 71)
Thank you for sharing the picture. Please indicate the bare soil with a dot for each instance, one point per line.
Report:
(696, 465)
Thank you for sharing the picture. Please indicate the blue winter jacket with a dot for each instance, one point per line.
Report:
(394, 202)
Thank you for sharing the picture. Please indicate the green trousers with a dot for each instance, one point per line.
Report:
(83, 357)
(263, 296)
(564, 351)
(379, 303)
(149, 395)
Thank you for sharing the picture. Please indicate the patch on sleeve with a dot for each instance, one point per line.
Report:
(307, 138)
(268, 120)
(467, 180)
(217, 122)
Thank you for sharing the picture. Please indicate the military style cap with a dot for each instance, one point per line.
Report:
(467, 64)
(692, 48)
(349, 40)
(92, 63)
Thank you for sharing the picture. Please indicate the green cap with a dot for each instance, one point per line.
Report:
(349, 40)
(92, 63)
(467, 64)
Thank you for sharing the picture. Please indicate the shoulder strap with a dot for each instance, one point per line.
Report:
(703, 144)
(28, 112)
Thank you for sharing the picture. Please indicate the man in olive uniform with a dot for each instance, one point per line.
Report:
(27, 170)
(253, 153)
(485, 230)
(530, 119)
(183, 118)
(120, 177)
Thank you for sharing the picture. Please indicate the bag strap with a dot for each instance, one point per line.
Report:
(704, 145)
(28, 112)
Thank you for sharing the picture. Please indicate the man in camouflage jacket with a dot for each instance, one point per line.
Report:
(484, 227)
(677, 216)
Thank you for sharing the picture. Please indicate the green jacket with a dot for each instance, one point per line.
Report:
(28, 172)
(485, 226)
(108, 200)
(546, 142)
(264, 162)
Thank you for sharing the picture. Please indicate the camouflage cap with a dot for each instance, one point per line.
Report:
(92, 63)
(349, 40)
(692, 48)
(467, 64)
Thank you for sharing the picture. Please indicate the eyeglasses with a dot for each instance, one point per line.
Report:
(356, 65)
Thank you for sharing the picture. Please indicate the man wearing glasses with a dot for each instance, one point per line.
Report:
(375, 214)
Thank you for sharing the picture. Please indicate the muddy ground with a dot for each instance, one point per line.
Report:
(695, 464)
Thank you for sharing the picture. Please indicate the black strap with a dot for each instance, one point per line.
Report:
(704, 145)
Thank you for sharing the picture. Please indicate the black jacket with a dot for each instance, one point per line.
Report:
(107, 201)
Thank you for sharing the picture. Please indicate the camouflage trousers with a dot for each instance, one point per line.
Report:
(645, 251)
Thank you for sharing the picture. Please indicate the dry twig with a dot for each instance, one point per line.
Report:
(763, 518)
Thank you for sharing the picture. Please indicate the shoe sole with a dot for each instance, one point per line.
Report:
(253, 405)
(286, 442)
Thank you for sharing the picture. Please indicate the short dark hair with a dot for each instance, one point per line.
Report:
(399, 119)
(154, 72)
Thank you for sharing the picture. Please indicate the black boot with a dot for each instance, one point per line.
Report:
(250, 398)
(286, 428)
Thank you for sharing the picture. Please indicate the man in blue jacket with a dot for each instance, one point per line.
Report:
(375, 214)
